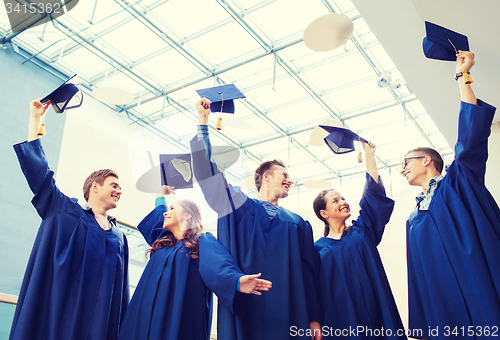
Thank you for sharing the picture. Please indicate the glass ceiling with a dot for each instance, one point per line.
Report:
(162, 51)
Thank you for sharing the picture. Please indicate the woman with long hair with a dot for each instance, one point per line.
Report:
(353, 287)
(171, 301)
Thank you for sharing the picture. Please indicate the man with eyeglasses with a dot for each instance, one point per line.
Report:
(453, 235)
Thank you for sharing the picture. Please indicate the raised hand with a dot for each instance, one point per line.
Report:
(465, 61)
(37, 109)
(165, 190)
(368, 147)
(203, 107)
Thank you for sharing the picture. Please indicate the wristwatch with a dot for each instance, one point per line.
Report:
(459, 74)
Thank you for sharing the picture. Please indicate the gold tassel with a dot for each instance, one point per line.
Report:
(467, 78)
(219, 124)
(360, 157)
(41, 130)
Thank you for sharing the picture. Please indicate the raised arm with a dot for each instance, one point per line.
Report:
(371, 164)
(48, 199)
(151, 227)
(465, 61)
(37, 111)
(221, 196)
(163, 196)
(375, 209)
(203, 107)
(474, 127)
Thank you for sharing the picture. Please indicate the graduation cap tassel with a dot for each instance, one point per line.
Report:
(219, 121)
(467, 78)
(41, 130)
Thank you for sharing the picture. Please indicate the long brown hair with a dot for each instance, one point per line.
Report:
(192, 235)
(319, 204)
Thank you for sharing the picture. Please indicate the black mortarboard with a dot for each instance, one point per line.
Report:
(66, 96)
(341, 140)
(440, 41)
(176, 170)
(221, 97)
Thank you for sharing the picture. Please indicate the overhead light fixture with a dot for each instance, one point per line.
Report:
(385, 80)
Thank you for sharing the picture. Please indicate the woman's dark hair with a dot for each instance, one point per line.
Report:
(192, 235)
(436, 158)
(319, 204)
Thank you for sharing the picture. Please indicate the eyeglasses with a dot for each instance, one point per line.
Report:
(407, 159)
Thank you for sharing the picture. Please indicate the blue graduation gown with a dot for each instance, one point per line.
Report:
(353, 287)
(282, 249)
(453, 248)
(171, 301)
(76, 281)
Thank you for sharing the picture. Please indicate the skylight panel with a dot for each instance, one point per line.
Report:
(139, 47)
(170, 67)
(225, 43)
(190, 17)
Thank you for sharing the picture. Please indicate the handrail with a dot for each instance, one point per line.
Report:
(8, 298)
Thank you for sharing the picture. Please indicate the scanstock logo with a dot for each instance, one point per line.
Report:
(24, 14)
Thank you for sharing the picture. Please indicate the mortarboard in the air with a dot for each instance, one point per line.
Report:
(341, 140)
(176, 171)
(442, 43)
(149, 181)
(67, 96)
(221, 97)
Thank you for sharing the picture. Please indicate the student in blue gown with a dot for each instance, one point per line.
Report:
(171, 301)
(353, 287)
(260, 237)
(453, 235)
(76, 281)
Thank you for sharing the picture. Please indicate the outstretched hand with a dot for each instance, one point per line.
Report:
(203, 107)
(251, 284)
(465, 61)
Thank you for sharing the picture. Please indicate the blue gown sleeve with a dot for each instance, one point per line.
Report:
(48, 199)
(151, 227)
(221, 196)
(471, 149)
(160, 201)
(221, 274)
(375, 209)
